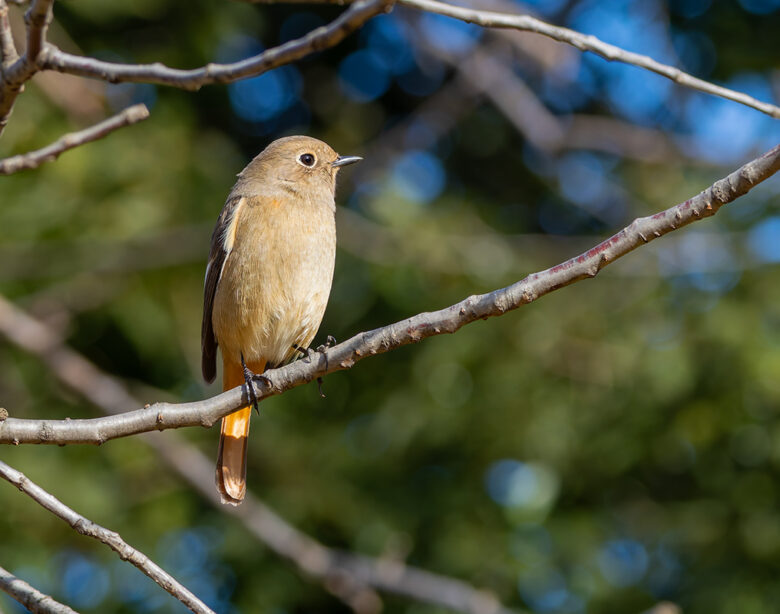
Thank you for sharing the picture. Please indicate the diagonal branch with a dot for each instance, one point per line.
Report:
(585, 42)
(321, 38)
(34, 159)
(350, 577)
(161, 416)
(111, 539)
(30, 597)
(346, 574)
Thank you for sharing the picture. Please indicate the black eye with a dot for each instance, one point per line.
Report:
(307, 159)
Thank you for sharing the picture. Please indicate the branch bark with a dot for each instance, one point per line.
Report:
(8, 54)
(321, 38)
(38, 17)
(161, 416)
(30, 597)
(111, 539)
(34, 159)
(350, 577)
(590, 43)
(15, 73)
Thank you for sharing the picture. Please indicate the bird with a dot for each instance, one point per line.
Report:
(268, 279)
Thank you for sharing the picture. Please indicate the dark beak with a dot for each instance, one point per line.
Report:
(344, 160)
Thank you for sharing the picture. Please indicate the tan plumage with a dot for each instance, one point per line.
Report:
(269, 276)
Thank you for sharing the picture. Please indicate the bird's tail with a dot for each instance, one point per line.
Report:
(231, 460)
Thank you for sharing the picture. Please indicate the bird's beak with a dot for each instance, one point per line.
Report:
(344, 160)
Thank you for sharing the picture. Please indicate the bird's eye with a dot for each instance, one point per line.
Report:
(307, 159)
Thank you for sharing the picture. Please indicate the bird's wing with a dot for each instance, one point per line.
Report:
(221, 245)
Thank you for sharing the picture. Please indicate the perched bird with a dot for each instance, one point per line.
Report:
(268, 278)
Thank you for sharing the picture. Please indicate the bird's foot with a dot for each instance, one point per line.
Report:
(249, 377)
(304, 352)
(330, 341)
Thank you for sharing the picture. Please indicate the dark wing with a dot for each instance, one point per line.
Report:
(221, 244)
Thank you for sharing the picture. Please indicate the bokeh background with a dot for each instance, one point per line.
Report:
(611, 446)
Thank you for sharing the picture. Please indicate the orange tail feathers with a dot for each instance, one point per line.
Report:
(233, 439)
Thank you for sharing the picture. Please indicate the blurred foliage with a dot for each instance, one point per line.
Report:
(615, 444)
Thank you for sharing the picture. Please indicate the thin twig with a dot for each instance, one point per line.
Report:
(30, 597)
(110, 538)
(585, 42)
(161, 416)
(347, 575)
(321, 38)
(34, 159)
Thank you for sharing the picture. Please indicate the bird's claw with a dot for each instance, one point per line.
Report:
(330, 341)
(249, 377)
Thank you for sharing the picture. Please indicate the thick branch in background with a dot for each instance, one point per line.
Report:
(111, 539)
(34, 159)
(316, 40)
(161, 416)
(349, 576)
(590, 43)
(30, 597)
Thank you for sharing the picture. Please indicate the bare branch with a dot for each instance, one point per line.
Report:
(30, 597)
(14, 75)
(161, 416)
(34, 159)
(8, 54)
(316, 40)
(589, 43)
(348, 576)
(111, 539)
(344, 573)
(38, 17)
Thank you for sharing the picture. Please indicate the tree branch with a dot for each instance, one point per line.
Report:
(346, 574)
(321, 38)
(350, 577)
(585, 42)
(161, 416)
(37, 17)
(34, 159)
(111, 539)
(8, 54)
(30, 597)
